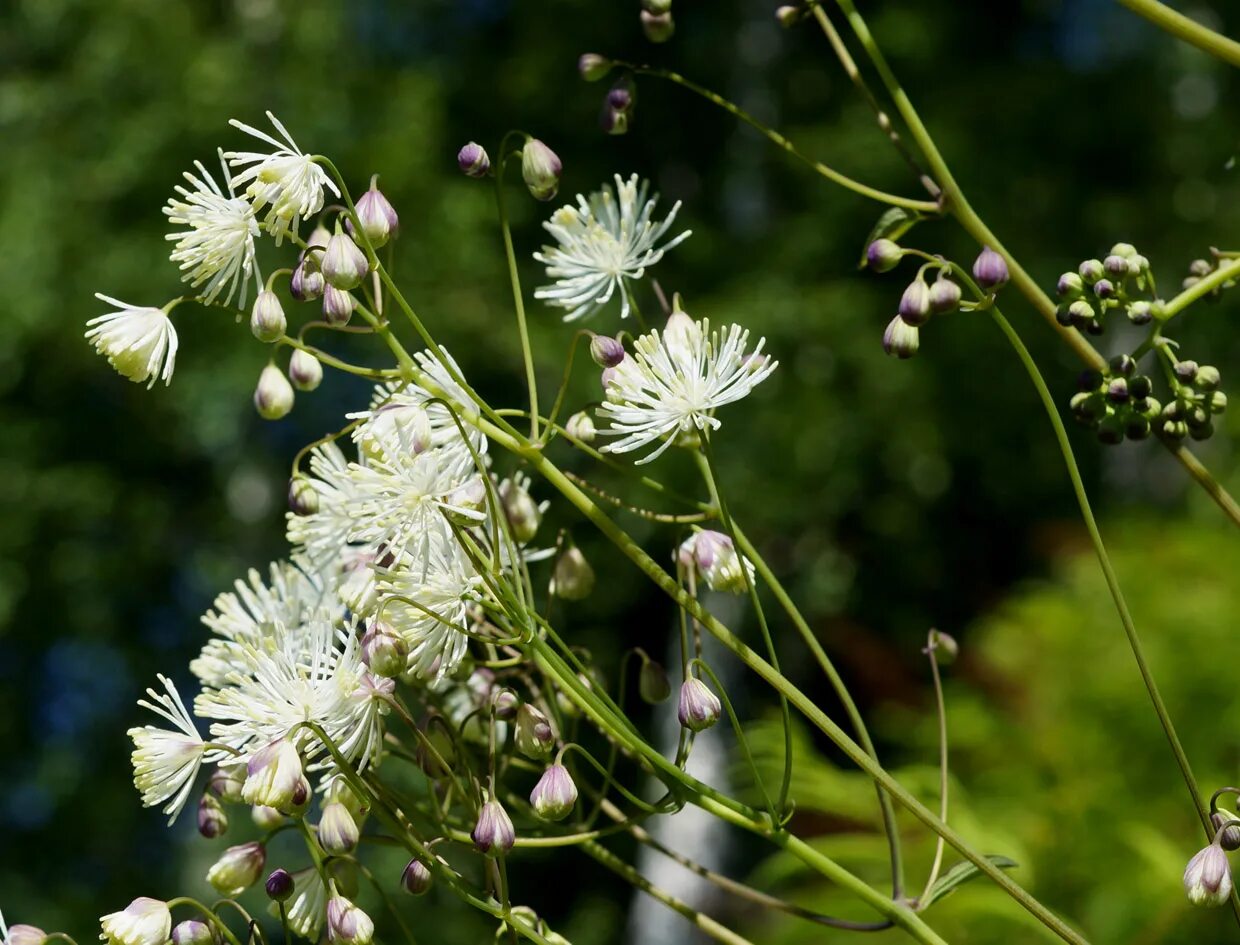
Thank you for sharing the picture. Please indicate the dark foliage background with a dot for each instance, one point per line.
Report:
(891, 496)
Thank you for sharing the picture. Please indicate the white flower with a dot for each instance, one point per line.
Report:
(603, 242)
(138, 341)
(286, 180)
(165, 763)
(675, 381)
(323, 537)
(218, 246)
(143, 922)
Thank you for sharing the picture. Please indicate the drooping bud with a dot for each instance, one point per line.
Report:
(788, 16)
(944, 647)
(225, 783)
(1116, 266)
(915, 303)
(279, 885)
(593, 67)
(555, 793)
(144, 921)
(26, 935)
(1229, 839)
(342, 263)
(266, 818)
(883, 255)
(385, 651)
(189, 932)
(237, 869)
(273, 397)
(620, 95)
(347, 924)
(338, 306)
(699, 708)
(716, 560)
(523, 513)
(212, 821)
(377, 216)
(304, 370)
(1070, 285)
(581, 426)
(320, 236)
(900, 339)
(613, 121)
(652, 682)
(303, 497)
(1104, 288)
(541, 169)
(267, 320)
(416, 879)
(572, 578)
(1186, 371)
(944, 295)
(535, 738)
(606, 351)
(1091, 270)
(505, 704)
(1207, 378)
(338, 831)
(473, 160)
(273, 776)
(493, 834)
(658, 27)
(989, 269)
(307, 282)
(1207, 878)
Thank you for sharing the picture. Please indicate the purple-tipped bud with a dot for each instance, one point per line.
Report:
(1104, 288)
(593, 67)
(267, 320)
(1081, 313)
(1141, 313)
(303, 498)
(344, 265)
(915, 303)
(237, 869)
(658, 27)
(572, 578)
(652, 682)
(581, 426)
(189, 932)
(273, 776)
(279, 885)
(1116, 266)
(307, 281)
(621, 96)
(1186, 371)
(505, 703)
(416, 879)
(607, 352)
(541, 169)
(385, 651)
(901, 340)
(473, 160)
(347, 924)
(26, 935)
(944, 295)
(338, 831)
(304, 370)
(493, 834)
(989, 269)
(1229, 839)
(338, 306)
(535, 738)
(1070, 285)
(212, 821)
(1091, 270)
(613, 121)
(1207, 878)
(555, 793)
(273, 397)
(883, 255)
(699, 708)
(788, 16)
(225, 783)
(377, 216)
(266, 818)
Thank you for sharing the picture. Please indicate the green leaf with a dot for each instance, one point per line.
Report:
(960, 874)
(894, 223)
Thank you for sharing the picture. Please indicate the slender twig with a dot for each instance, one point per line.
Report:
(932, 646)
(1180, 26)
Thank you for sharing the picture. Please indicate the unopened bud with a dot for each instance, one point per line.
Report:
(901, 340)
(883, 255)
(189, 932)
(273, 397)
(1200, 268)
(1140, 313)
(1229, 839)
(225, 783)
(535, 738)
(347, 924)
(385, 651)
(990, 269)
(1104, 288)
(523, 514)
(307, 281)
(473, 160)
(416, 879)
(944, 295)
(699, 708)
(1116, 266)
(541, 169)
(26, 935)
(613, 121)
(1070, 285)
(1207, 378)
(266, 818)
(606, 351)
(505, 704)
(1186, 371)
(652, 682)
(915, 303)
(267, 320)
(1207, 878)
(658, 27)
(572, 578)
(377, 216)
(338, 306)
(273, 776)
(788, 16)
(212, 821)
(555, 793)
(1091, 270)
(344, 265)
(304, 370)
(493, 834)
(303, 497)
(338, 831)
(580, 426)
(238, 869)
(593, 67)
(944, 647)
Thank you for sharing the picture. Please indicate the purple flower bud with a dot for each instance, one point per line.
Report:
(1207, 878)
(225, 783)
(338, 306)
(1091, 270)
(273, 397)
(303, 497)
(1070, 285)
(385, 651)
(416, 879)
(237, 869)
(1228, 839)
(658, 27)
(189, 932)
(212, 821)
(535, 738)
(347, 924)
(613, 121)
(304, 370)
(493, 834)
(377, 216)
(699, 708)
(593, 67)
(555, 793)
(915, 303)
(267, 320)
(26, 935)
(989, 269)
(541, 168)
(344, 265)
(607, 352)
(279, 885)
(901, 340)
(1104, 288)
(506, 704)
(621, 96)
(944, 295)
(883, 255)
(307, 281)
(338, 831)
(473, 160)
(1116, 266)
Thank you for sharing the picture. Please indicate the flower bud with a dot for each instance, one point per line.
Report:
(225, 783)
(901, 340)
(1110, 429)
(1081, 313)
(580, 426)
(320, 236)
(535, 738)
(652, 682)
(26, 935)
(416, 879)
(144, 921)
(592, 66)
(238, 869)
(1207, 378)
(273, 776)
(788, 16)
(990, 269)
(493, 834)
(505, 704)
(1137, 427)
(523, 513)
(307, 281)
(944, 295)
(1186, 371)
(1200, 268)
(572, 578)
(915, 303)
(658, 27)
(1116, 266)
(944, 647)
(714, 557)
(1140, 313)
(555, 793)
(279, 885)
(338, 306)
(303, 497)
(338, 831)
(473, 160)
(1104, 288)
(541, 169)
(347, 924)
(620, 96)
(304, 370)
(883, 255)
(1207, 878)
(189, 932)
(613, 121)
(1229, 839)
(344, 265)
(1091, 271)
(377, 216)
(607, 352)
(657, 6)
(385, 651)
(273, 397)
(1070, 285)
(699, 708)
(267, 320)
(212, 821)
(266, 818)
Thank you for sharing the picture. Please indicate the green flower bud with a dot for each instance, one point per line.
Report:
(541, 169)
(1070, 286)
(343, 264)
(1111, 429)
(581, 426)
(1091, 271)
(535, 738)
(338, 831)
(304, 370)
(652, 682)
(572, 578)
(1140, 313)
(593, 67)
(1207, 378)
(900, 339)
(267, 320)
(238, 869)
(303, 497)
(273, 397)
(658, 27)
(189, 932)
(883, 255)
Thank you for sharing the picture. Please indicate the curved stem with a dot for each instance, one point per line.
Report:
(1180, 26)
(932, 645)
(518, 300)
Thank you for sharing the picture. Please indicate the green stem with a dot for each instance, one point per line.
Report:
(1199, 289)
(1180, 26)
(940, 706)
(517, 298)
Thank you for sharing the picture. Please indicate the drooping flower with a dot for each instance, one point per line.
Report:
(165, 763)
(605, 242)
(285, 180)
(143, 922)
(713, 558)
(138, 341)
(676, 380)
(217, 248)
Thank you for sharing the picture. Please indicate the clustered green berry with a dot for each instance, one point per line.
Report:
(1101, 287)
(1118, 403)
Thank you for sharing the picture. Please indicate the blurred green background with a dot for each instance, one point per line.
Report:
(890, 496)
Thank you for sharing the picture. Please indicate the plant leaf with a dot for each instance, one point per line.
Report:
(960, 874)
